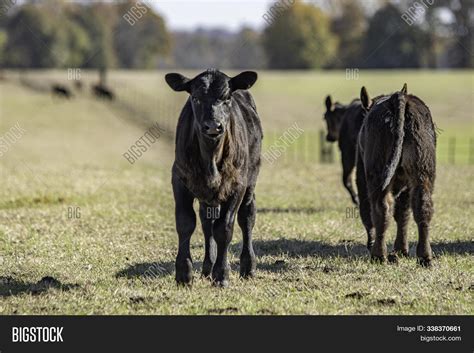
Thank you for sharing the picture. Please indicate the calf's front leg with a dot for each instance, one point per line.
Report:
(207, 215)
(246, 219)
(185, 225)
(223, 230)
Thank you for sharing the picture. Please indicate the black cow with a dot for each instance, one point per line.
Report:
(343, 124)
(101, 91)
(78, 85)
(61, 91)
(396, 154)
(217, 160)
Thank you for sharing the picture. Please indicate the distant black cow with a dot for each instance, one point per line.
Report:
(343, 124)
(61, 91)
(78, 85)
(397, 154)
(217, 160)
(101, 91)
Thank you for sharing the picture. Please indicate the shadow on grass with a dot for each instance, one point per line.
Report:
(460, 247)
(288, 247)
(147, 270)
(32, 202)
(304, 248)
(307, 210)
(12, 287)
(350, 249)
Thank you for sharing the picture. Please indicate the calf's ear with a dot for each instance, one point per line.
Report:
(404, 89)
(365, 98)
(328, 103)
(244, 80)
(178, 82)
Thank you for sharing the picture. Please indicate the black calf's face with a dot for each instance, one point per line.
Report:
(211, 101)
(211, 98)
(333, 117)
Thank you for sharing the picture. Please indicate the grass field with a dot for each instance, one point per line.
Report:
(115, 254)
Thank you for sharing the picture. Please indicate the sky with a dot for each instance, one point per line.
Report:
(230, 14)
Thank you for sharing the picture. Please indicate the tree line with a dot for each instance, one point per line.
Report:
(296, 35)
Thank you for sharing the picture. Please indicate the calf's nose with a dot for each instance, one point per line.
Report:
(213, 127)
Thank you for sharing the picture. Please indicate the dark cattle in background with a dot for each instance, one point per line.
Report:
(343, 124)
(217, 160)
(78, 85)
(61, 91)
(100, 91)
(397, 155)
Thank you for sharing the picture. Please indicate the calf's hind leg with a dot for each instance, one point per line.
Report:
(402, 215)
(423, 212)
(348, 161)
(246, 218)
(380, 219)
(364, 203)
(185, 225)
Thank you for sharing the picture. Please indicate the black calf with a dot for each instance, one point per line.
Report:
(217, 160)
(397, 155)
(343, 124)
(103, 92)
(61, 91)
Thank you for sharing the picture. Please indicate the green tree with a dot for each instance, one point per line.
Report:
(246, 51)
(70, 41)
(299, 38)
(350, 28)
(392, 43)
(201, 48)
(3, 42)
(140, 43)
(30, 38)
(98, 21)
(459, 33)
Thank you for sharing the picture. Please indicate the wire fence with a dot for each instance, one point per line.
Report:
(305, 146)
(312, 147)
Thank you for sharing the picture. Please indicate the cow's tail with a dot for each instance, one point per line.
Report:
(399, 133)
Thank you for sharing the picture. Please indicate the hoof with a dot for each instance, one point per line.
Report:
(247, 274)
(393, 258)
(425, 262)
(220, 276)
(184, 272)
(378, 259)
(221, 284)
(401, 252)
(184, 284)
(247, 267)
(206, 270)
(184, 281)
